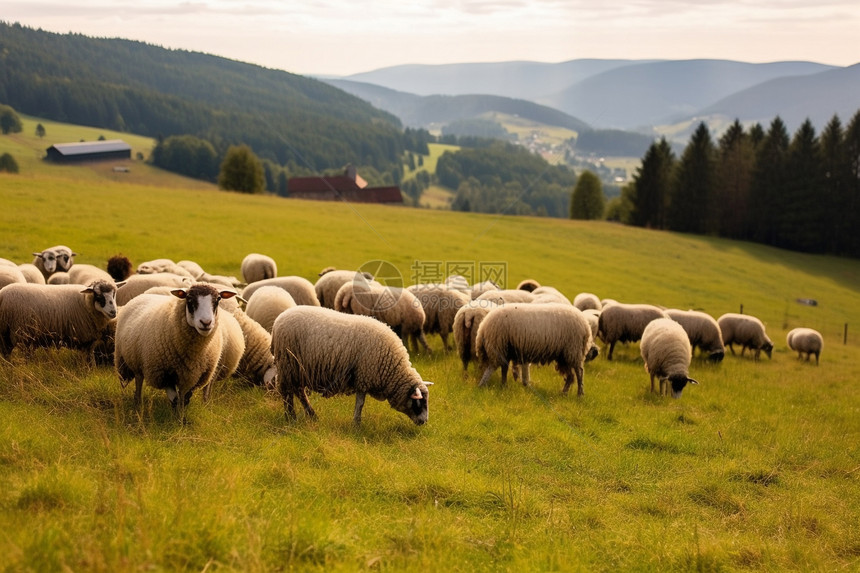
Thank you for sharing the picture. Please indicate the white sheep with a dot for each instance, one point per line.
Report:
(440, 305)
(84, 274)
(257, 267)
(156, 266)
(59, 278)
(62, 315)
(587, 300)
(805, 341)
(480, 288)
(136, 285)
(332, 279)
(173, 343)
(543, 333)
(58, 258)
(667, 352)
(458, 282)
(396, 307)
(32, 273)
(593, 318)
(548, 294)
(619, 322)
(300, 288)
(746, 330)
(506, 296)
(11, 274)
(232, 350)
(267, 303)
(466, 323)
(322, 350)
(193, 268)
(703, 331)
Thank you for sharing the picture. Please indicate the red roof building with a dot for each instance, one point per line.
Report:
(347, 187)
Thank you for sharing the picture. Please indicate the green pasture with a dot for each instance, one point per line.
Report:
(755, 469)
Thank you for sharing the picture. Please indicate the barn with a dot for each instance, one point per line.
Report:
(347, 187)
(89, 151)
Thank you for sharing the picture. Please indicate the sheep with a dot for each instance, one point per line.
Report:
(32, 274)
(173, 343)
(232, 350)
(746, 330)
(332, 279)
(703, 331)
(440, 305)
(480, 288)
(63, 315)
(59, 278)
(466, 323)
(528, 285)
(507, 296)
(805, 340)
(194, 269)
(119, 267)
(458, 282)
(546, 294)
(587, 300)
(593, 318)
(666, 351)
(267, 303)
(322, 350)
(257, 267)
(83, 274)
(396, 307)
(49, 261)
(10, 275)
(619, 322)
(138, 284)
(157, 266)
(543, 333)
(301, 289)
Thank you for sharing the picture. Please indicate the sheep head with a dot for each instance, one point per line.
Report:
(201, 306)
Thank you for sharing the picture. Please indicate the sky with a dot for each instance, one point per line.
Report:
(342, 37)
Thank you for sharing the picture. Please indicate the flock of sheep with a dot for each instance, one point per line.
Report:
(180, 329)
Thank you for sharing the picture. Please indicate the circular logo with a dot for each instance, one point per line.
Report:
(383, 272)
(371, 300)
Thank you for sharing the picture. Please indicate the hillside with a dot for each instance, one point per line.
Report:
(139, 88)
(436, 110)
(754, 468)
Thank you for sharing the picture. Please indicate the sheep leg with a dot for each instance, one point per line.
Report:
(505, 373)
(524, 371)
(567, 374)
(731, 347)
(303, 398)
(652, 384)
(289, 406)
(580, 382)
(611, 348)
(423, 342)
(488, 371)
(138, 387)
(359, 404)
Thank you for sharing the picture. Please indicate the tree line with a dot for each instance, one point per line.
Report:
(798, 192)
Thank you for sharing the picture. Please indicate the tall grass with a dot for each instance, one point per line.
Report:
(754, 469)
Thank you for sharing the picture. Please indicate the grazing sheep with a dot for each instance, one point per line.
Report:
(458, 282)
(620, 322)
(526, 333)
(805, 341)
(301, 289)
(587, 300)
(440, 305)
(159, 266)
(257, 365)
(466, 323)
(593, 318)
(257, 267)
(528, 285)
(83, 274)
(548, 294)
(506, 296)
(59, 278)
(64, 315)
(480, 288)
(193, 268)
(396, 307)
(332, 279)
(232, 350)
(267, 303)
(746, 330)
(174, 343)
(322, 350)
(49, 261)
(119, 267)
(11, 275)
(136, 285)
(703, 331)
(32, 273)
(667, 352)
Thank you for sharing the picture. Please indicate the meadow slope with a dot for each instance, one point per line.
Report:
(756, 468)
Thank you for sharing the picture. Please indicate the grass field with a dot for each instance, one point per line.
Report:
(755, 469)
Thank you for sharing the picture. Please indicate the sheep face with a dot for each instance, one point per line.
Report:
(768, 349)
(716, 356)
(49, 260)
(678, 382)
(104, 297)
(201, 306)
(64, 259)
(416, 405)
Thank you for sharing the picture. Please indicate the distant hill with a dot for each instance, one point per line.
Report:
(423, 111)
(136, 87)
(519, 80)
(816, 97)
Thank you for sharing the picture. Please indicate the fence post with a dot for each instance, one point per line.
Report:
(742, 308)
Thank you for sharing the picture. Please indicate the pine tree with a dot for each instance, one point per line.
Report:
(835, 225)
(693, 185)
(852, 194)
(587, 201)
(769, 180)
(734, 172)
(802, 209)
(651, 184)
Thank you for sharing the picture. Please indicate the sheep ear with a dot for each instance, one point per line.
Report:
(691, 381)
(179, 292)
(416, 394)
(426, 383)
(40, 255)
(228, 293)
(87, 290)
(121, 284)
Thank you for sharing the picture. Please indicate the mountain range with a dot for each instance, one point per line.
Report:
(640, 95)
